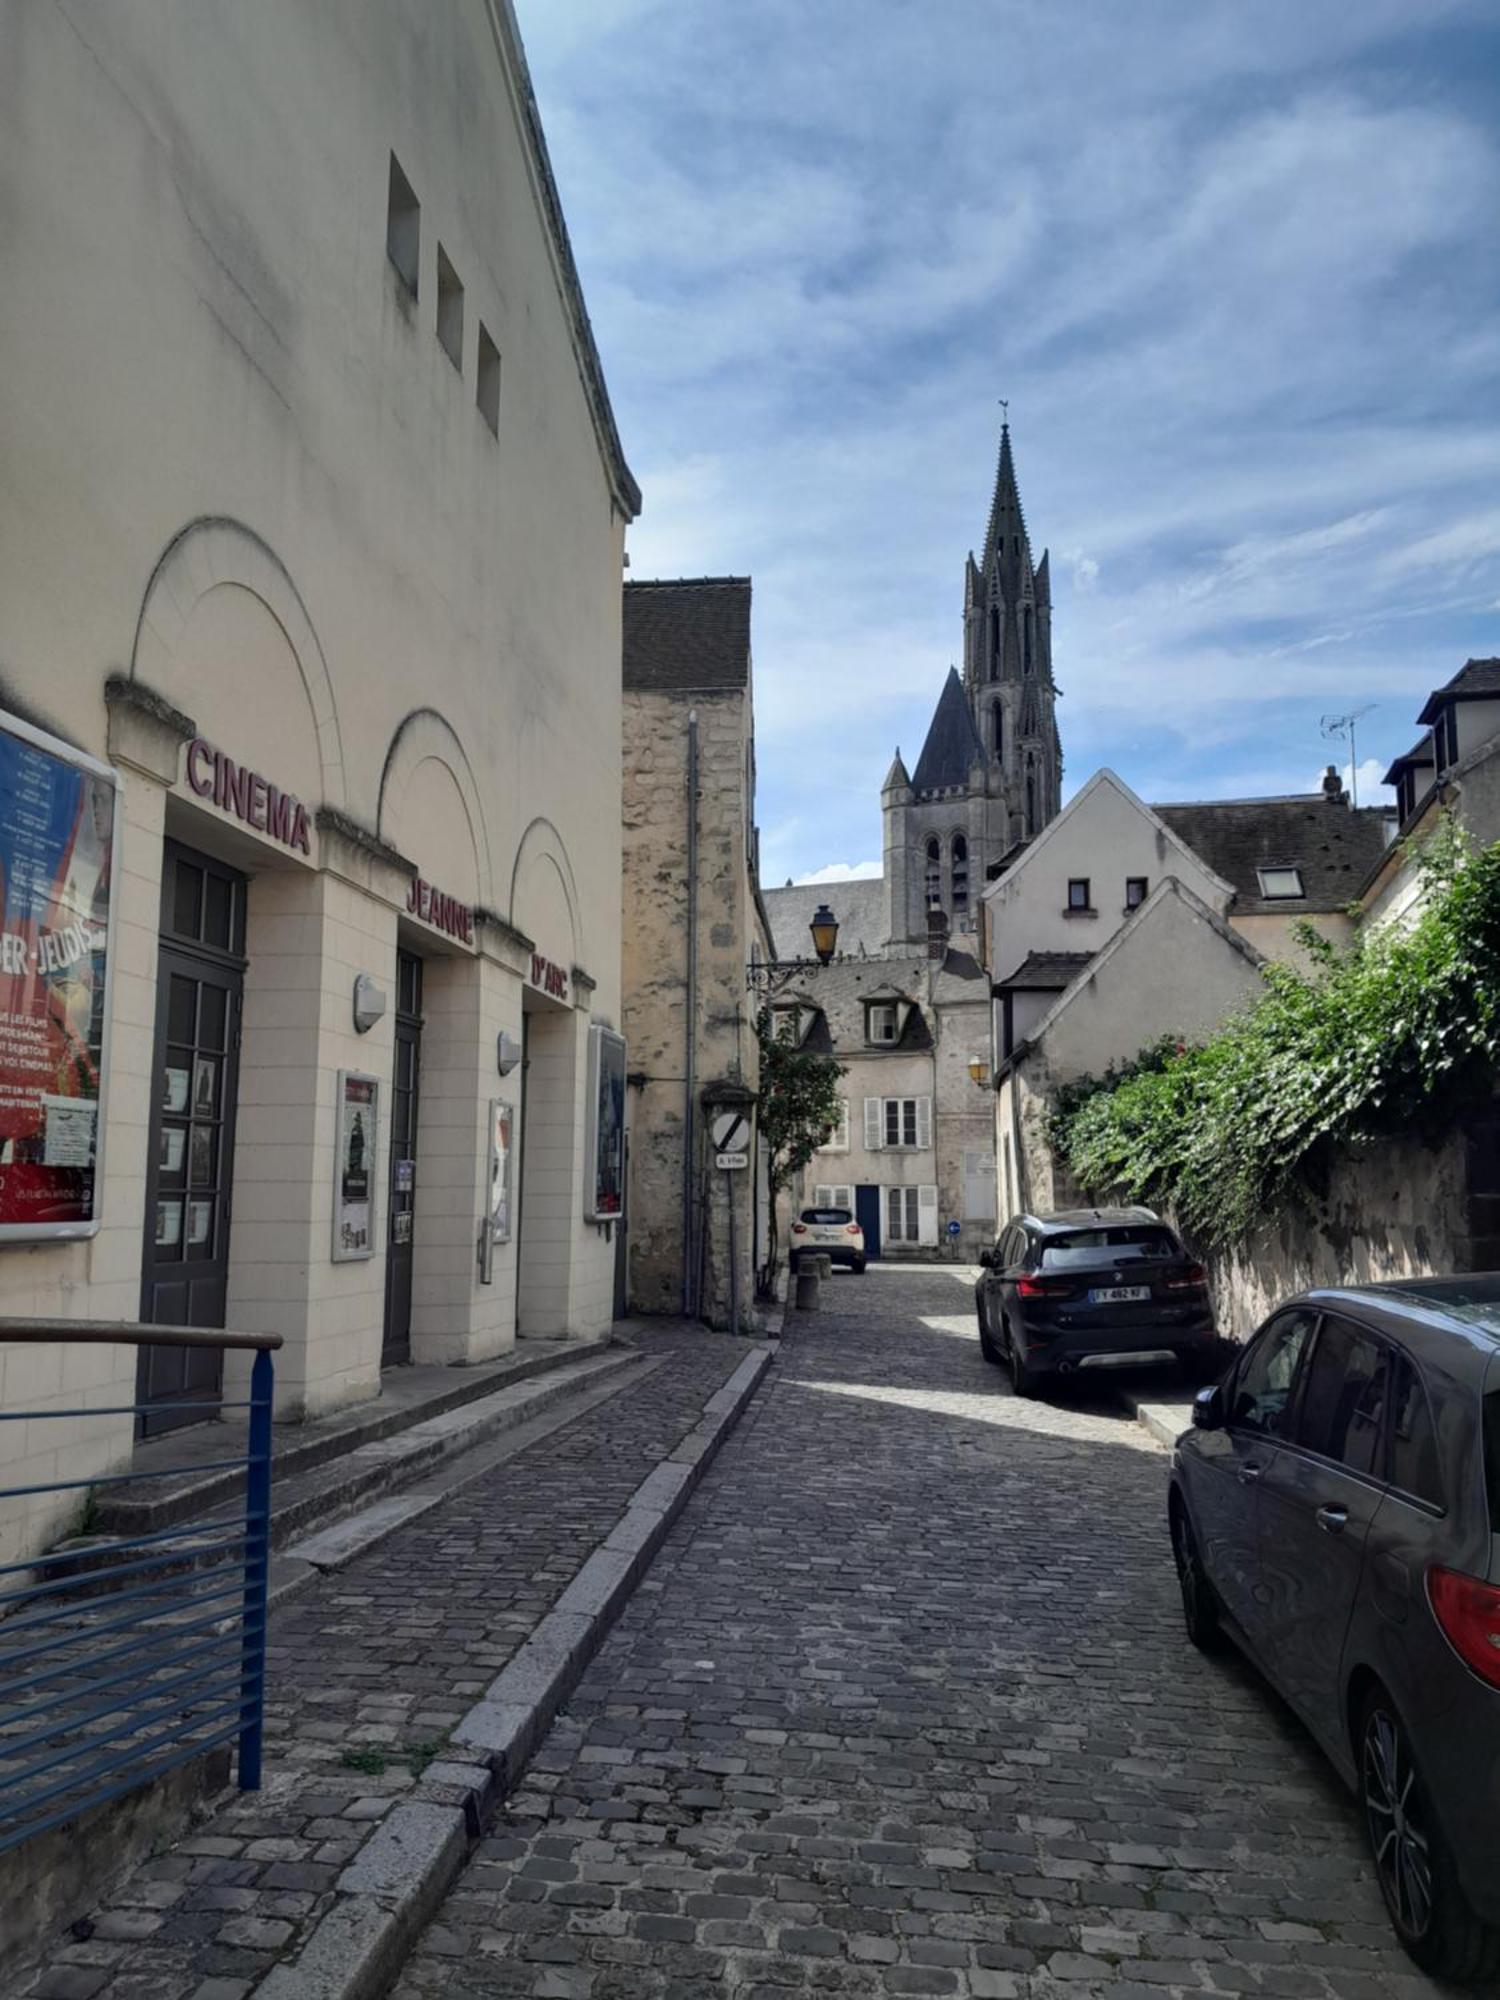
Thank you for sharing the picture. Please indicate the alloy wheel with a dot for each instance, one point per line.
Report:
(1395, 1812)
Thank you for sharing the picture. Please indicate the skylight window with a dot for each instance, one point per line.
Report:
(1280, 884)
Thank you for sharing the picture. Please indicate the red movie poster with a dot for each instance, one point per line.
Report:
(56, 849)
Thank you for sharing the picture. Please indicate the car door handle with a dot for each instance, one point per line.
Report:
(1332, 1520)
(1248, 1474)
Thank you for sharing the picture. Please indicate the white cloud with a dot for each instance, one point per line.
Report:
(843, 871)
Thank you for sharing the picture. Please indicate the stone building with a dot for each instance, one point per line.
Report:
(988, 779)
(314, 512)
(693, 921)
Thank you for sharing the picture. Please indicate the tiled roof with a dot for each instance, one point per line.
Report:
(953, 746)
(687, 633)
(1047, 971)
(1474, 678)
(1333, 846)
(1421, 752)
(859, 907)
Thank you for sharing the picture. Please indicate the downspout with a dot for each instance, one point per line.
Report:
(690, 1038)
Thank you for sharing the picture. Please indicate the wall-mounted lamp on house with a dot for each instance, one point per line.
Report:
(979, 1070)
(507, 1053)
(771, 975)
(369, 1003)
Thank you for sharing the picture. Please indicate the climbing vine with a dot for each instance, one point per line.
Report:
(1390, 1035)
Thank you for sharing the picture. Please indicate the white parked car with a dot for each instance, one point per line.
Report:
(829, 1232)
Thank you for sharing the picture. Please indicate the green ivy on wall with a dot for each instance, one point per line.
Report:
(1393, 1034)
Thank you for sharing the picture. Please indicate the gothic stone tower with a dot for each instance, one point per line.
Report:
(990, 772)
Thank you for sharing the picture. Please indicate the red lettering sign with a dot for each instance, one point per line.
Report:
(250, 797)
(548, 977)
(445, 913)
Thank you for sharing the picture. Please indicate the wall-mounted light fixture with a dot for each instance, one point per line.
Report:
(507, 1053)
(979, 1070)
(369, 1003)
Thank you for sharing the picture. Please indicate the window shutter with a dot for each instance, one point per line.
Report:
(924, 1123)
(874, 1127)
(927, 1215)
(823, 1197)
(842, 1198)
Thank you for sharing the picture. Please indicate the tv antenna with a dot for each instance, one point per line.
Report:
(1344, 725)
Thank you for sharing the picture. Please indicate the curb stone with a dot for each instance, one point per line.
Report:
(396, 1881)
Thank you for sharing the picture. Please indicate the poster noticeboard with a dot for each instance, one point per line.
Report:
(59, 835)
(502, 1128)
(605, 1159)
(355, 1155)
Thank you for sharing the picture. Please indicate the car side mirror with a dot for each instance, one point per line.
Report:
(987, 1259)
(1208, 1409)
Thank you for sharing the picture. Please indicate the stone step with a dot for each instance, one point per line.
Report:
(328, 1491)
(187, 1489)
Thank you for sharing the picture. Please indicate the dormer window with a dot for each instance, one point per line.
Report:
(1280, 885)
(881, 1024)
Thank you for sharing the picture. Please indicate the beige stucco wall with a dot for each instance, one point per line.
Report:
(1275, 936)
(656, 892)
(237, 466)
(1105, 835)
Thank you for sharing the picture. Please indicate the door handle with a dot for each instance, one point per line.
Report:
(1248, 1474)
(1332, 1520)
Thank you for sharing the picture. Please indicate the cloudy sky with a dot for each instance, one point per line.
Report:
(1235, 264)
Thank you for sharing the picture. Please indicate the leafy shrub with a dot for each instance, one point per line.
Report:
(1389, 1035)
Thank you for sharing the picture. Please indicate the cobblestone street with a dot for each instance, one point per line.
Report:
(905, 1708)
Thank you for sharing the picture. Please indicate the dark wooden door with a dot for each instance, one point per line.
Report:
(867, 1215)
(190, 1158)
(402, 1180)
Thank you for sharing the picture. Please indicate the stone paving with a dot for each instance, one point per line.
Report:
(368, 1670)
(905, 1708)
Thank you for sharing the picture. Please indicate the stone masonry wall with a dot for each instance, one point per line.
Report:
(655, 982)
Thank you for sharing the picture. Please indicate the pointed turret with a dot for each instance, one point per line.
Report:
(1007, 528)
(896, 778)
(953, 746)
(1044, 579)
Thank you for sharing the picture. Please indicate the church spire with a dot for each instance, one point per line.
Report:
(1006, 518)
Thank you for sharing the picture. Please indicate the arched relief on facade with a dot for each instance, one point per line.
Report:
(543, 893)
(223, 633)
(430, 807)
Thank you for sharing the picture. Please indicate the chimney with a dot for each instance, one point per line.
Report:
(1333, 787)
(937, 932)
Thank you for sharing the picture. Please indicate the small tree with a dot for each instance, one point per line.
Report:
(797, 1109)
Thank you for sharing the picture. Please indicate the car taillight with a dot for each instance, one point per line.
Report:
(1044, 1288)
(852, 1229)
(1193, 1279)
(799, 1229)
(1469, 1613)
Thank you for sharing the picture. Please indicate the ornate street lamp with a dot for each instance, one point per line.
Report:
(770, 975)
(979, 1070)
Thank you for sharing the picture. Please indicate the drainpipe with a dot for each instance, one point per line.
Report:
(690, 1038)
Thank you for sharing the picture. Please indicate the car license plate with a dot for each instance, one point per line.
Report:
(1118, 1295)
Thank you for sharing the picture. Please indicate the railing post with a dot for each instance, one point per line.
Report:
(257, 1567)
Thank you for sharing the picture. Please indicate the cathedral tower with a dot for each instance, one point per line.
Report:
(990, 772)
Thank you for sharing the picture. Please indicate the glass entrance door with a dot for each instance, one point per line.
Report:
(195, 1077)
(402, 1181)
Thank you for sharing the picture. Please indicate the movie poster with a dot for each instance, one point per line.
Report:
(354, 1168)
(606, 1154)
(501, 1116)
(57, 841)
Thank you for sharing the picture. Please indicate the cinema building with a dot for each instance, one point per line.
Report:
(313, 513)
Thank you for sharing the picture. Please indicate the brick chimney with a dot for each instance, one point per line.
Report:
(1333, 787)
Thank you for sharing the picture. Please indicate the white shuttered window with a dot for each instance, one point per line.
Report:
(911, 1215)
(834, 1197)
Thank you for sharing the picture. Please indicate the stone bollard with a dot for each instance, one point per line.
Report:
(825, 1267)
(807, 1284)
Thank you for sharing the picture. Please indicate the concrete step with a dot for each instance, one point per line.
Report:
(188, 1489)
(332, 1488)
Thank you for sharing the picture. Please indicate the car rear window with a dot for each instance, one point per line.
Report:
(1492, 1456)
(831, 1216)
(1124, 1243)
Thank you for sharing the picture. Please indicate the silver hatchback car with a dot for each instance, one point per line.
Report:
(1336, 1508)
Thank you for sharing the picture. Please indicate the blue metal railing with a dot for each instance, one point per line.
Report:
(128, 1656)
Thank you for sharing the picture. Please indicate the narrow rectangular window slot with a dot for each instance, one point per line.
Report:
(403, 228)
(487, 386)
(450, 310)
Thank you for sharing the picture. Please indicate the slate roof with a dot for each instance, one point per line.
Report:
(1474, 679)
(1047, 971)
(1334, 846)
(1421, 752)
(953, 746)
(841, 991)
(688, 632)
(859, 907)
